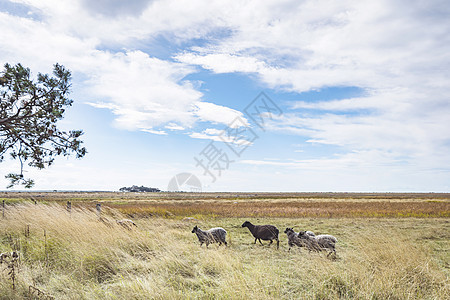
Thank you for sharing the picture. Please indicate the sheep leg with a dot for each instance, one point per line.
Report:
(331, 252)
(255, 240)
(225, 244)
(290, 245)
(260, 242)
(278, 244)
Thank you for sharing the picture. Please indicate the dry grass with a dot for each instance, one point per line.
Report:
(84, 258)
(164, 196)
(290, 205)
(286, 209)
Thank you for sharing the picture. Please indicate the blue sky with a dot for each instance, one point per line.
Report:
(363, 87)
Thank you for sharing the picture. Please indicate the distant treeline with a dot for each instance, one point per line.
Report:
(141, 188)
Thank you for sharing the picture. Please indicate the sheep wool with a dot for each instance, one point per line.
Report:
(213, 235)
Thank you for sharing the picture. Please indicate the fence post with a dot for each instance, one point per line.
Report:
(3, 209)
(69, 206)
(27, 231)
(99, 209)
(45, 248)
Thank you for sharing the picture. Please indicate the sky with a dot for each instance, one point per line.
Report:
(273, 95)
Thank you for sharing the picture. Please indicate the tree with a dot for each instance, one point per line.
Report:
(29, 112)
(139, 189)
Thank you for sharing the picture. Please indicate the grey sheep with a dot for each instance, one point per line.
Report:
(327, 241)
(308, 241)
(323, 241)
(213, 235)
(263, 232)
(293, 239)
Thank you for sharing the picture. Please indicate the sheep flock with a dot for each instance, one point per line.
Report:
(306, 239)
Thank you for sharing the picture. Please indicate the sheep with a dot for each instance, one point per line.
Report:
(326, 237)
(211, 236)
(293, 238)
(263, 232)
(308, 241)
(310, 233)
(320, 242)
(327, 241)
(126, 223)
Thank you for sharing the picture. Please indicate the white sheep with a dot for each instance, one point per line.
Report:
(310, 233)
(213, 235)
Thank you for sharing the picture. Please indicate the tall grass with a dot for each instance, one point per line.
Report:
(83, 257)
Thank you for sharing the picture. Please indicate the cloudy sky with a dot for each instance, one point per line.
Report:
(359, 90)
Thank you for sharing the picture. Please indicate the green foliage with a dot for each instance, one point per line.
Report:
(29, 112)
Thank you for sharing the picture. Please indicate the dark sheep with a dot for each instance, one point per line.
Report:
(263, 232)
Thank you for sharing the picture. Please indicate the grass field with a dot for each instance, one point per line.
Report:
(384, 255)
(210, 205)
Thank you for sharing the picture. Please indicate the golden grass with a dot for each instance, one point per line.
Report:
(290, 205)
(163, 196)
(84, 258)
(285, 209)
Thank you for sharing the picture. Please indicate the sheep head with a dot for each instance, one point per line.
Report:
(246, 223)
(289, 230)
(302, 233)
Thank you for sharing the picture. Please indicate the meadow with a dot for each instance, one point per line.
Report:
(390, 247)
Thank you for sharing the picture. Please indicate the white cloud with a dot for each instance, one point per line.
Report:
(223, 63)
(173, 126)
(355, 160)
(143, 92)
(222, 136)
(158, 132)
(219, 114)
(390, 123)
(398, 51)
(116, 7)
